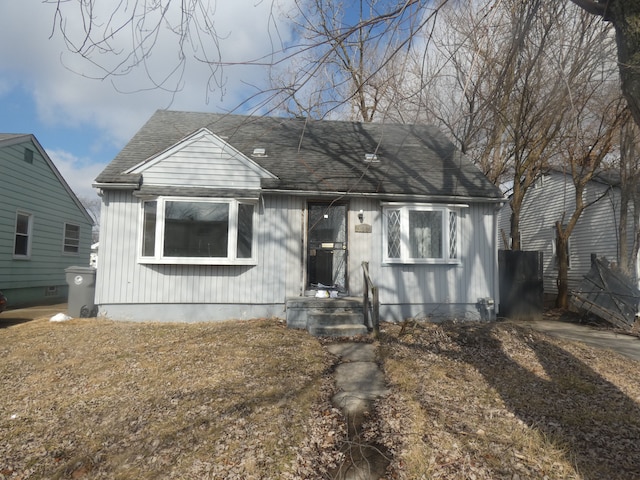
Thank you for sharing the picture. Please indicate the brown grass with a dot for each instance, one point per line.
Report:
(499, 401)
(99, 399)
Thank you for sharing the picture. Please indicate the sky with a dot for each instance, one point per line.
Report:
(83, 122)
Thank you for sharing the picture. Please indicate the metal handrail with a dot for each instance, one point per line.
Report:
(374, 304)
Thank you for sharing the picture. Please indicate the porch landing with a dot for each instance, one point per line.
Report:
(334, 317)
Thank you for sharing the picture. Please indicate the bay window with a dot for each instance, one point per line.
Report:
(197, 231)
(420, 233)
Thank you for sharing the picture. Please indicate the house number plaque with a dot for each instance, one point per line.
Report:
(363, 228)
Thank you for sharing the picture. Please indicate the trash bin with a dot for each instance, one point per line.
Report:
(82, 289)
(486, 307)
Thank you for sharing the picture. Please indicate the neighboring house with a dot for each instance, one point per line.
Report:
(209, 216)
(596, 232)
(43, 226)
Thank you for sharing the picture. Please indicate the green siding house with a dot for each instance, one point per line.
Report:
(43, 226)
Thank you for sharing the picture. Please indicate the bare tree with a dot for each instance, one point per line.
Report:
(97, 35)
(92, 205)
(521, 72)
(596, 136)
(629, 167)
(623, 14)
(354, 61)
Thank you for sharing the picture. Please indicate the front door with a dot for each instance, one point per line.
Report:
(327, 246)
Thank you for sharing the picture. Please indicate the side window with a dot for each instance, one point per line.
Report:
(28, 155)
(420, 233)
(71, 241)
(22, 240)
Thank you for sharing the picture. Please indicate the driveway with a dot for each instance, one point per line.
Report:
(627, 345)
(20, 315)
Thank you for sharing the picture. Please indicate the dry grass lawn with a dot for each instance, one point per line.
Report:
(94, 399)
(98, 399)
(499, 401)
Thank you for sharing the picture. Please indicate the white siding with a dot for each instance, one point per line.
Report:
(431, 290)
(596, 230)
(362, 245)
(127, 289)
(122, 280)
(204, 163)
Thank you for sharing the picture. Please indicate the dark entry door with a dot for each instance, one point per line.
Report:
(327, 246)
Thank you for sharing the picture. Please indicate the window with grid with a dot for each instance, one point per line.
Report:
(22, 239)
(420, 233)
(71, 242)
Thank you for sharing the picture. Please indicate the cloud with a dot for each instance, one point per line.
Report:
(119, 105)
(79, 173)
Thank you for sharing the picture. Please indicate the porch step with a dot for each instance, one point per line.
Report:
(335, 318)
(341, 317)
(337, 330)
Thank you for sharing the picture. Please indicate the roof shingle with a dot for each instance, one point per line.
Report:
(321, 156)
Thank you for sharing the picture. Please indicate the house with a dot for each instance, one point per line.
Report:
(545, 203)
(43, 226)
(210, 216)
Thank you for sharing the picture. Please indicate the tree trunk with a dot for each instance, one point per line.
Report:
(625, 16)
(633, 258)
(623, 255)
(516, 206)
(562, 300)
(629, 183)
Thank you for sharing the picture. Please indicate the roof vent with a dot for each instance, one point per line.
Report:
(259, 152)
(371, 158)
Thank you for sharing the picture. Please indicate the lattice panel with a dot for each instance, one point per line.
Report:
(393, 233)
(453, 235)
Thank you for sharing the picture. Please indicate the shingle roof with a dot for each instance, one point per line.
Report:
(6, 137)
(321, 156)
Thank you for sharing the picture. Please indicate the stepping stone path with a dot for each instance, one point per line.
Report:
(359, 381)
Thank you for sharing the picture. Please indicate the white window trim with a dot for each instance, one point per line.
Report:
(230, 259)
(64, 239)
(404, 228)
(29, 235)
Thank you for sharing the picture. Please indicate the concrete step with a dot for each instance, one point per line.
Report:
(306, 312)
(339, 318)
(337, 330)
(337, 304)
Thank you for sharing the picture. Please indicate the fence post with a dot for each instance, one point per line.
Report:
(376, 313)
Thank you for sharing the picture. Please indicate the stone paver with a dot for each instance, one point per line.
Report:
(359, 381)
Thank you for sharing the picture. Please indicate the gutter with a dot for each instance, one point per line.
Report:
(321, 193)
(388, 196)
(116, 186)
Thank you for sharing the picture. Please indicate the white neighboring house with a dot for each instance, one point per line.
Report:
(596, 232)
